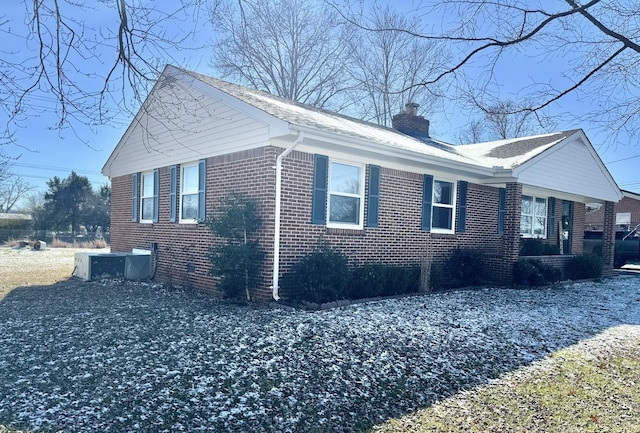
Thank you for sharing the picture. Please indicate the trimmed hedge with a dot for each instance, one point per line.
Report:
(585, 266)
(324, 276)
(320, 276)
(533, 272)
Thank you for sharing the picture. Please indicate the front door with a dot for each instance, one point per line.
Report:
(567, 226)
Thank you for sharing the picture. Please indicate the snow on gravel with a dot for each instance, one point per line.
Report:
(115, 356)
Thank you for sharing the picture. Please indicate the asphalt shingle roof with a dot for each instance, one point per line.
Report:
(503, 153)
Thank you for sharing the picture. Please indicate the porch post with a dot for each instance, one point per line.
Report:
(511, 237)
(608, 238)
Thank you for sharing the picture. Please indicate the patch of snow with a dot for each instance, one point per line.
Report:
(112, 356)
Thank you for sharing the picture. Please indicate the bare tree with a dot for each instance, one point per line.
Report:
(291, 48)
(82, 60)
(11, 191)
(506, 119)
(12, 186)
(388, 64)
(589, 50)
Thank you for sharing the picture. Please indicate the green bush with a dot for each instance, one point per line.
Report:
(585, 266)
(465, 267)
(551, 250)
(320, 276)
(237, 259)
(531, 247)
(532, 272)
(373, 279)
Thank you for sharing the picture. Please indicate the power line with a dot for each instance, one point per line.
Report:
(51, 167)
(623, 159)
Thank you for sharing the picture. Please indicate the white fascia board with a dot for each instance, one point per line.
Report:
(277, 127)
(630, 194)
(413, 159)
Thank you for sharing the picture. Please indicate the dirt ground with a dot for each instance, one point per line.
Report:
(27, 267)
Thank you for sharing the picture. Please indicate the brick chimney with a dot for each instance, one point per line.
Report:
(410, 123)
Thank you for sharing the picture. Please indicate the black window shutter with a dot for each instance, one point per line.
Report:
(134, 198)
(502, 199)
(319, 201)
(202, 185)
(156, 194)
(463, 186)
(552, 217)
(427, 192)
(373, 201)
(173, 174)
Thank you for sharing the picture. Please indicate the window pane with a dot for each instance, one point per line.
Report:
(538, 226)
(540, 207)
(190, 179)
(147, 185)
(441, 218)
(526, 205)
(344, 209)
(442, 192)
(147, 208)
(525, 225)
(190, 206)
(345, 178)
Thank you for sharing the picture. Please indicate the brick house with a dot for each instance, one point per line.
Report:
(626, 214)
(379, 194)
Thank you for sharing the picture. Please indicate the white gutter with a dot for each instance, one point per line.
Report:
(276, 234)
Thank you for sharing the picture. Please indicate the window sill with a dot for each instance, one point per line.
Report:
(347, 232)
(443, 235)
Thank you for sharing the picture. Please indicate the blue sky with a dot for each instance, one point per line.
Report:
(43, 151)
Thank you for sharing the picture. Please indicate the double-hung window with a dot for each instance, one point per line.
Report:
(442, 206)
(533, 217)
(189, 193)
(192, 192)
(346, 192)
(438, 205)
(148, 197)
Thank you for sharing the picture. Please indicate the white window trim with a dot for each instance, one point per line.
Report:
(142, 196)
(360, 195)
(452, 206)
(533, 216)
(182, 167)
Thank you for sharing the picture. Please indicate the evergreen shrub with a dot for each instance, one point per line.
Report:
(533, 272)
(320, 276)
(584, 266)
(465, 267)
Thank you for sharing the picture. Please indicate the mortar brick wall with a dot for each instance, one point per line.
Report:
(594, 221)
(183, 248)
(398, 239)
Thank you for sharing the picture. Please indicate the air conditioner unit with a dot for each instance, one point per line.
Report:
(137, 266)
(91, 266)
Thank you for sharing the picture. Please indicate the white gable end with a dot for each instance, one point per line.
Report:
(573, 167)
(181, 123)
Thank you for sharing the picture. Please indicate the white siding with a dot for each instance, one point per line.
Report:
(571, 167)
(181, 124)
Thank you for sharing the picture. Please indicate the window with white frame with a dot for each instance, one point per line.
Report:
(442, 211)
(147, 197)
(346, 191)
(533, 217)
(189, 193)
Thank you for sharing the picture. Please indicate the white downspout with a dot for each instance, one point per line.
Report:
(276, 235)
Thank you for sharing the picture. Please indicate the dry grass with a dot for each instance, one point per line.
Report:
(57, 243)
(590, 387)
(26, 267)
